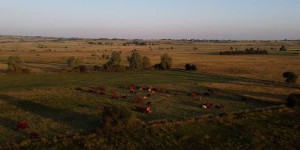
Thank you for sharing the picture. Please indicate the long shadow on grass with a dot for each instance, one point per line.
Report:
(72, 119)
(8, 123)
(239, 97)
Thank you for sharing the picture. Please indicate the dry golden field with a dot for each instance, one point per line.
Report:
(52, 55)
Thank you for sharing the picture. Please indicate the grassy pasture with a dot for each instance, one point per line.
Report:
(53, 107)
(49, 101)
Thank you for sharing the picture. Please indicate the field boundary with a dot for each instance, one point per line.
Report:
(244, 79)
(232, 115)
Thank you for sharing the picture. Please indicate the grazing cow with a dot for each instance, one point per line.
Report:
(147, 89)
(137, 100)
(207, 105)
(168, 95)
(22, 125)
(34, 135)
(114, 95)
(144, 109)
(193, 94)
(131, 88)
(149, 103)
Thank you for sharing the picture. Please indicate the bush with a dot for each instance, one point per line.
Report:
(282, 48)
(15, 64)
(73, 61)
(114, 63)
(190, 67)
(81, 68)
(293, 100)
(165, 62)
(194, 68)
(117, 118)
(290, 77)
(146, 62)
(158, 66)
(135, 61)
(250, 51)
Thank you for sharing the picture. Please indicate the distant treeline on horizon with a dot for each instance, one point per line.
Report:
(123, 39)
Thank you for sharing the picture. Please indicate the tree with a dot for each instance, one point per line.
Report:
(146, 62)
(114, 63)
(166, 61)
(73, 62)
(135, 61)
(117, 118)
(114, 60)
(15, 63)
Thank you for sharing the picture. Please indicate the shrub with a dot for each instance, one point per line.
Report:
(166, 62)
(15, 64)
(194, 68)
(282, 48)
(81, 68)
(135, 61)
(73, 61)
(114, 63)
(290, 77)
(190, 67)
(250, 51)
(146, 62)
(293, 100)
(117, 118)
(158, 66)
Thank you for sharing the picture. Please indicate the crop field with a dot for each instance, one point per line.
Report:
(57, 103)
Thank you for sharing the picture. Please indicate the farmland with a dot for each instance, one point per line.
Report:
(59, 104)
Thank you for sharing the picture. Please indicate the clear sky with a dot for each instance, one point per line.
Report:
(153, 19)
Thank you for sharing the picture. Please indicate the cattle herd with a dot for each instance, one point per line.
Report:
(143, 103)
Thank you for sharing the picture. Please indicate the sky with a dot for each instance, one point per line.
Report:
(153, 19)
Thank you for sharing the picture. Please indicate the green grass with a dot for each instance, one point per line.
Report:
(265, 131)
(52, 106)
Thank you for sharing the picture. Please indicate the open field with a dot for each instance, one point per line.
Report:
(48, 55)
(56, 103)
